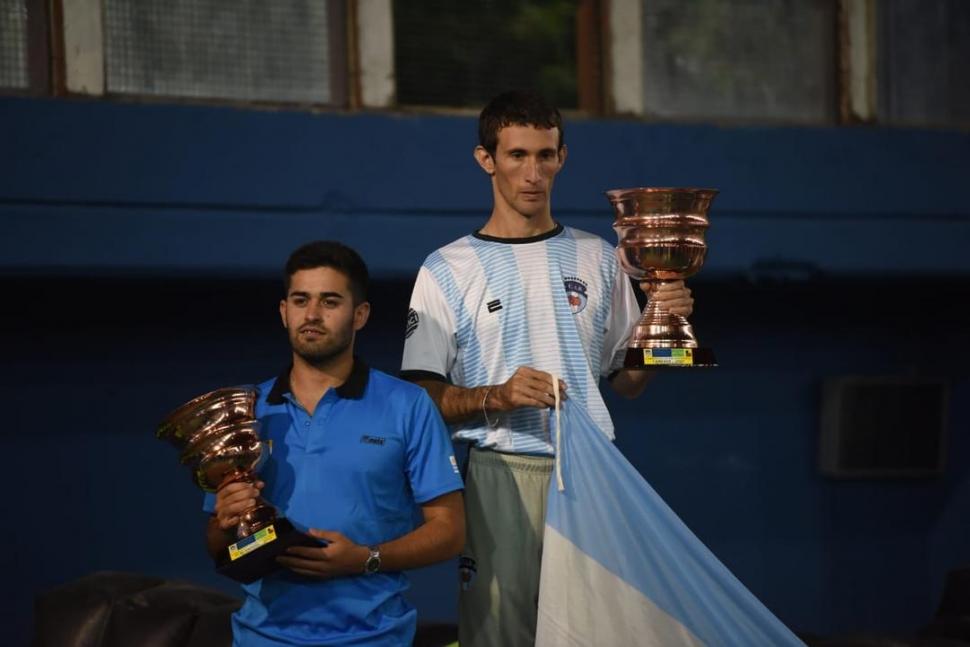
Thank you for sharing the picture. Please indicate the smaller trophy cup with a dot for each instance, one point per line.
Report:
(218, 437)
(661, 238)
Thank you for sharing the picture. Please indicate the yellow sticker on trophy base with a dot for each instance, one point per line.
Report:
(252, 542)
(668, 357)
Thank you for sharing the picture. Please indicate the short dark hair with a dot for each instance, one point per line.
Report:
(515, 108)
(337, 256)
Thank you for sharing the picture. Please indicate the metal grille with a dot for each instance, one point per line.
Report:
(924, 57)
(461, 54)
(228, 49)
(13, 44)
(740, 59)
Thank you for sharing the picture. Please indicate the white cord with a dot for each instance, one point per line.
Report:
(555, 394)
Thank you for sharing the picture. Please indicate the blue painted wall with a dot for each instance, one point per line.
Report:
(139, 246)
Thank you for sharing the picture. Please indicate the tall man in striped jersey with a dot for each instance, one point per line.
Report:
(494, 315)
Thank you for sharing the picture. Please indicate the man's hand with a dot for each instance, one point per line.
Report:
(673, 296)
(233, 499)
(526, 388)
(338, 557)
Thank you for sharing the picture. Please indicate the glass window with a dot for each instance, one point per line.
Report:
(279, 51)
(924, 62)
(13, 44)
(461, 54)
(740, 59)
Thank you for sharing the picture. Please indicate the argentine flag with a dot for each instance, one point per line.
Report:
(620, 568)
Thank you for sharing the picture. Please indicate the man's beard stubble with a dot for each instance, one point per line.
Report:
(323, 352)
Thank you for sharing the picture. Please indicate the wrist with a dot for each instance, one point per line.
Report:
(487, 405)
(372, 561)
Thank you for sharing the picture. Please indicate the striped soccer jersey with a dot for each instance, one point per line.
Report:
(483, 306)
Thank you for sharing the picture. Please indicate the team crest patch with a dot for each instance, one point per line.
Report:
(412, 322)
(576, 293)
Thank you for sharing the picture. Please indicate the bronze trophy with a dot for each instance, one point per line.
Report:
(661, 238)
(218, 437)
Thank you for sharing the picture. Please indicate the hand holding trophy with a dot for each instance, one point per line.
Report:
(660, 235)
(218, 436)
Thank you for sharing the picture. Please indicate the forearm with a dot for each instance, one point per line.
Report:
(217, 539)
(428, 544)
(436, 540)
(456, 403)
(630, 384)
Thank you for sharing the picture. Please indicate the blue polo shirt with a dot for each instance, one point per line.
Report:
(374, 449)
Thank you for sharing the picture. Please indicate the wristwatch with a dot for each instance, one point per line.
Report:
(373, 563)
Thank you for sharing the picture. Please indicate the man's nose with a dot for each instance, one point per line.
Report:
(532, 172)
(314, 311)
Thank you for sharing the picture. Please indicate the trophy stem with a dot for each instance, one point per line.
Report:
(240, 475)
(255, 518)
(660, 328)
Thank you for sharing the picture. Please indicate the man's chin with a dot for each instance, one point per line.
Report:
(318, 356)
(531, 210)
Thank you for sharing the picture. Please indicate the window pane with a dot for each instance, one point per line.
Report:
(13, 44)
(463, 53)
(924, 62)
(232, 49)
(742, 59)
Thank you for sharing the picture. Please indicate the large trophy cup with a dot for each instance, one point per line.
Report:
(218, 437)
(660, 235)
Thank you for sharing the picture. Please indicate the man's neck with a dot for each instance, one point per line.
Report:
(309, 382)
(505, 223)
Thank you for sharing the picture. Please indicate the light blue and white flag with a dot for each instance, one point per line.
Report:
(620, 568)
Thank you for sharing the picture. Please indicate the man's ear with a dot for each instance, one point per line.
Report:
(283, 311)
(485, 160)
(562, 155)
(361, 315)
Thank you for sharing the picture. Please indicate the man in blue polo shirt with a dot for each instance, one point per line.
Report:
(355, 453)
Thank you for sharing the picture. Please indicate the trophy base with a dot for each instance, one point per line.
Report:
(654, 358)
(254, 556)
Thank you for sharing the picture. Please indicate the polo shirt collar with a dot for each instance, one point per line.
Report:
(353, 388)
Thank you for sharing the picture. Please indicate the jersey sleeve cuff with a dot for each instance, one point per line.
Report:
(433, 494)
(416, 376)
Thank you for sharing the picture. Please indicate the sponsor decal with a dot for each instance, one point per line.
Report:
(372, 440)
(247, 545)
(495, 305)
(668, 357)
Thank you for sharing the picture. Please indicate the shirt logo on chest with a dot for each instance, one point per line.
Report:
(495, 305)
(372, 440)
(576, 293)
